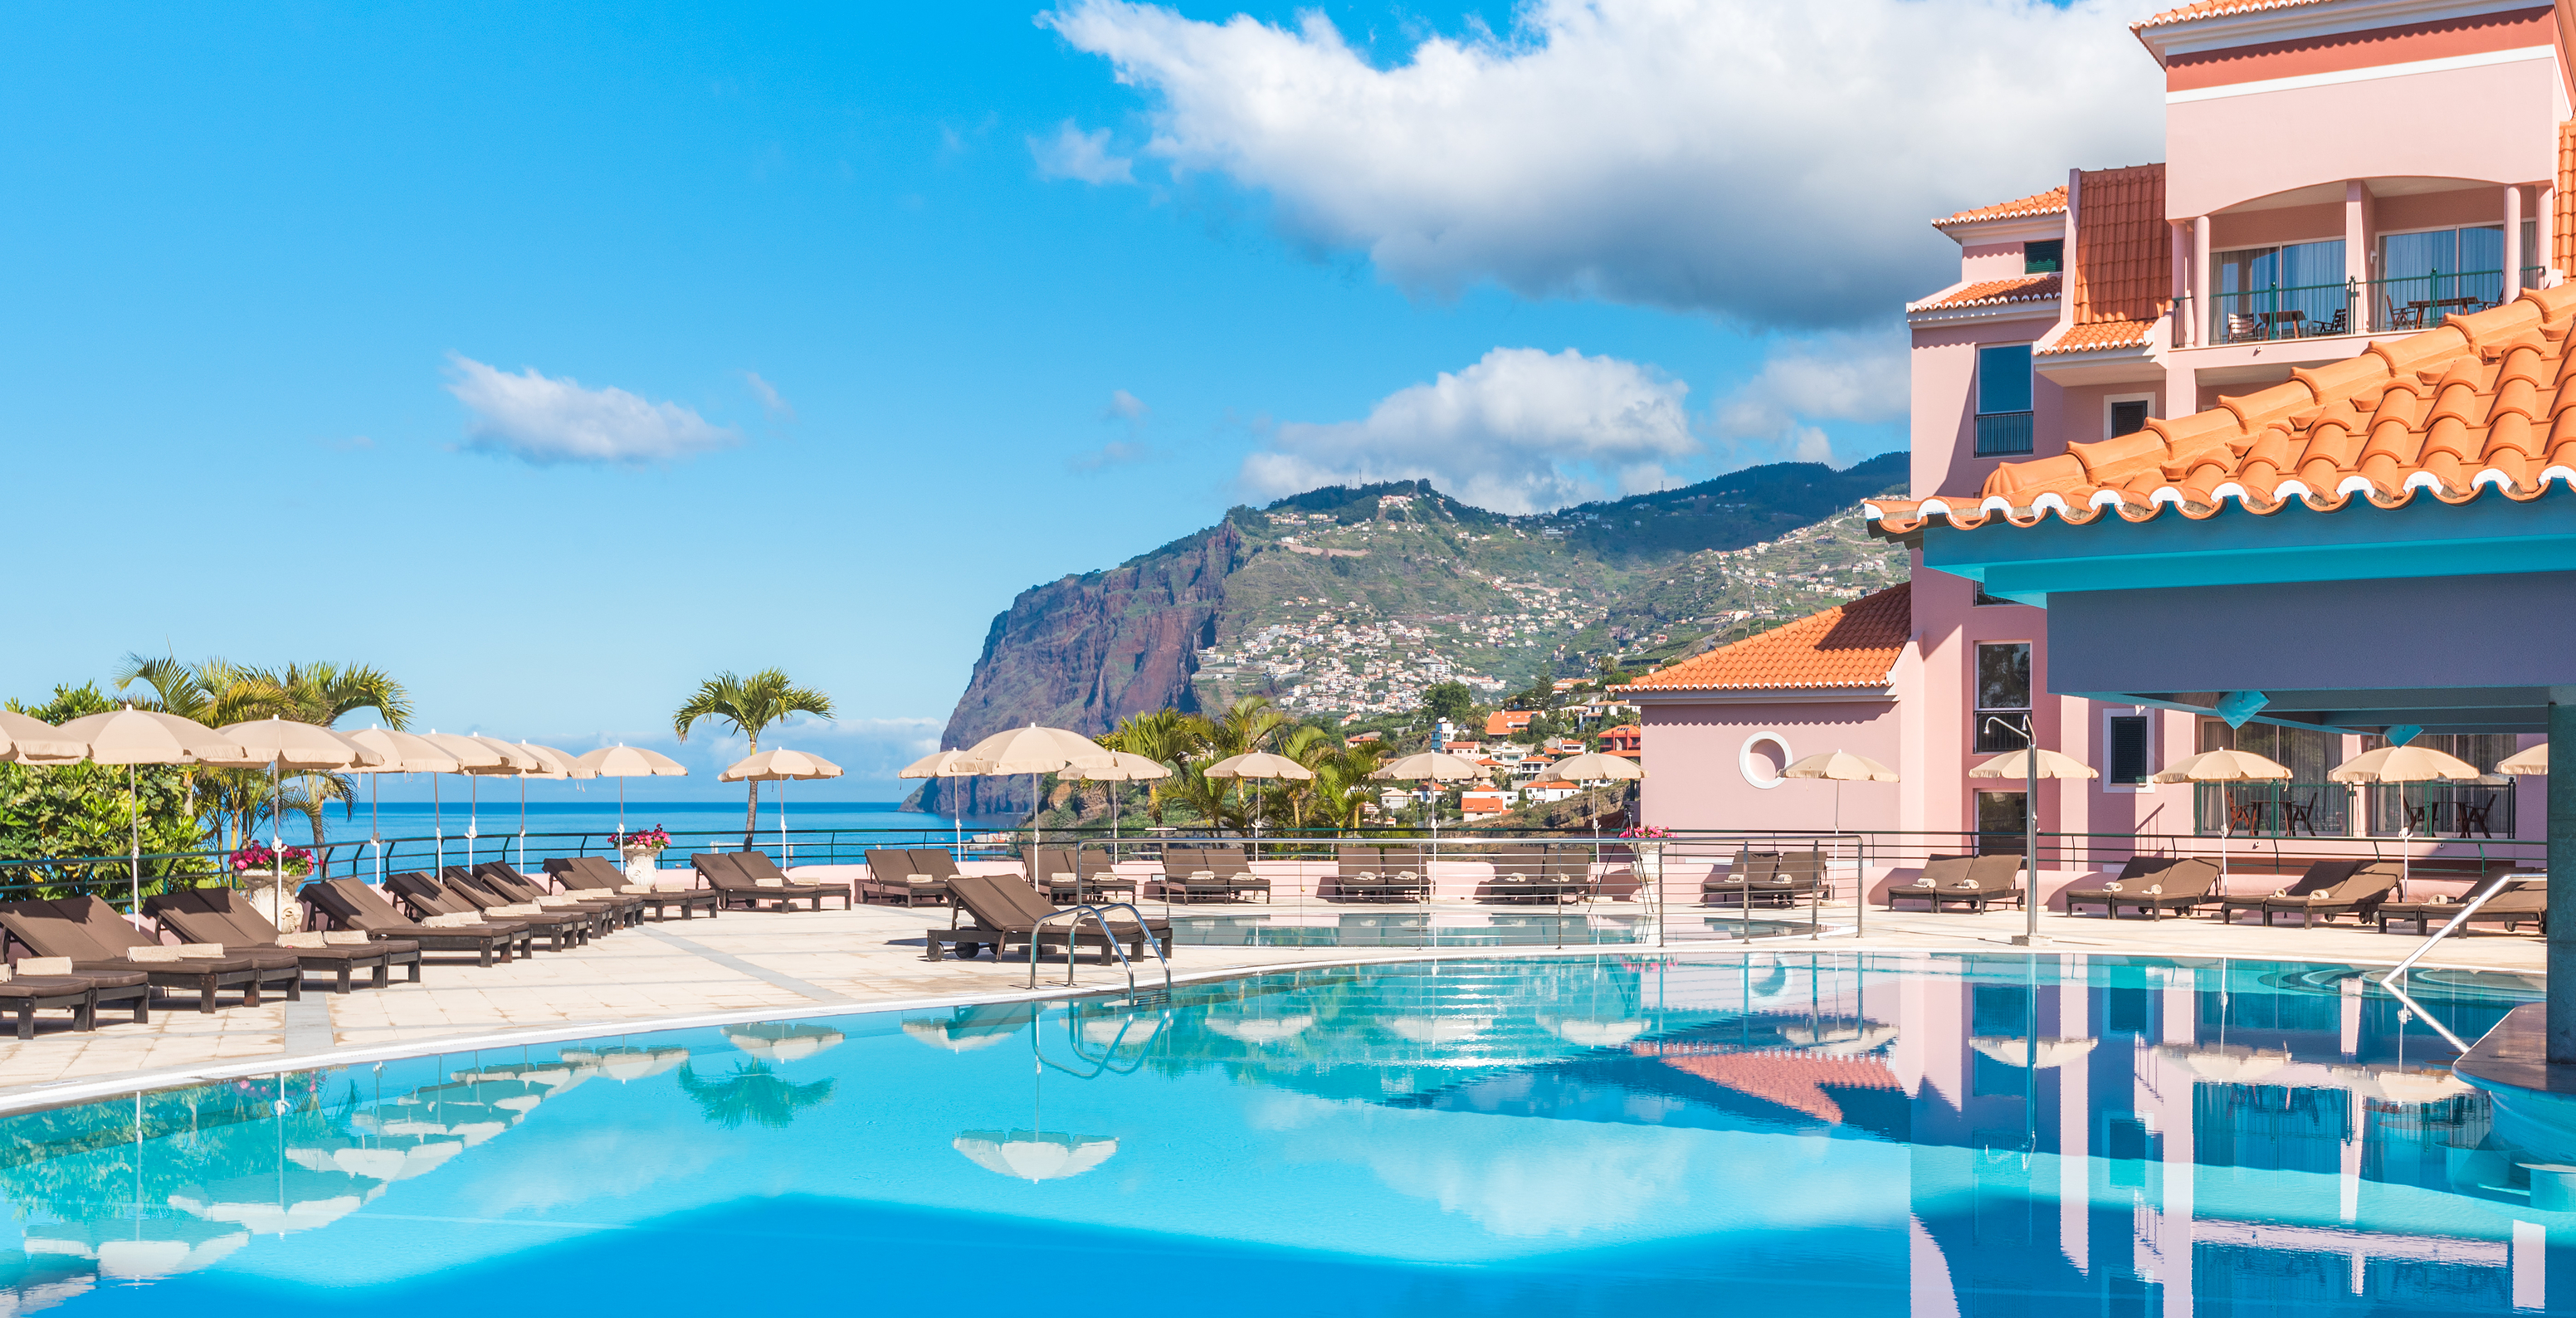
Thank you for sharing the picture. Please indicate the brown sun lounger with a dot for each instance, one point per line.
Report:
(1234, 869)
(2523, 901)
(1189, 875)
(353, 904)
(1386, 874)
(582, 875)
(1006, 912)
(1741, 879)
(2152, 885)
(76, 993)
(890, 879)
(2321, 875)
(45, 929)
(732, 884)
(756, 866)
(221, 916)
(2358, 895)
(1979, 882)
(502, 879)
(426, 897)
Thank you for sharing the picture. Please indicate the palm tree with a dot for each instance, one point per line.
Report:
(1341, 783)
(752, 1092)
(750, 705)
(217, 692)
(1166, 736)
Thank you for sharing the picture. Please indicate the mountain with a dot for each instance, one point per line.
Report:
(1344, 600)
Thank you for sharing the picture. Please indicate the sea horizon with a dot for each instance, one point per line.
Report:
(715, 819)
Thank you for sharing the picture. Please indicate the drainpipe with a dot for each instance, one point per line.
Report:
(2513, 261)
(2199, 281)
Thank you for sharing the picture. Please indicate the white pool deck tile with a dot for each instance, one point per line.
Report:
(790, 963)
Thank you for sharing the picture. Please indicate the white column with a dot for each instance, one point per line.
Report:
(2356, 253)
(2547, 257)
(2199, 281)
(2181, 242)
(2513, 261)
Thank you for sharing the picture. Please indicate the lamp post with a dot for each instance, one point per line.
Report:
(2029, 827)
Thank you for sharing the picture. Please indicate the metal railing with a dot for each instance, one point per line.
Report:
(2003, 433)
(2298, 311)
(2416, 302)
(2330, 809)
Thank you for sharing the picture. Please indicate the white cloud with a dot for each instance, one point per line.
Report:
(1115, 453)
(545, 420)
(1825, 377)
(771, 401)
(1519, 431)
(1073, 153)
(1124, 406)
(1771, 160)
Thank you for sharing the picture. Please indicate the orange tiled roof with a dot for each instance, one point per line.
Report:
(1853, 645)
(2100, 335)
(2562, 237)
(2217, 8)
(1996, 292)
(1792, 1080)
(2051, 202)
(2487, 401)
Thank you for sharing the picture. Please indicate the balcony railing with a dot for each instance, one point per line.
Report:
(2329, 809)
(2002, 433)
(2369, 306)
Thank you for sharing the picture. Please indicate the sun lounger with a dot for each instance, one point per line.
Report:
(890, 879)
(354, 904)
(49, 929)
(2358, 895)
(1794, 874)
(591, 920)
(1234, 869)
(2321, 876)
(1189, 875)
(1365, 873)
(26, 994)
(2523, 901)
(1007, 911)
(426, 898)
(597, 874)
(1978, 882)
(732, 884)
(1736, 884)
(503, 880)
(756, 865)
(220, 916)
(2152, 885)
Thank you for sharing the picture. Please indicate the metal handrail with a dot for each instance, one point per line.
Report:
(1107, 934)
(2391, 980)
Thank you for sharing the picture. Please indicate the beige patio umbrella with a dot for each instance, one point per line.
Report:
(131, 736)
(305, 748)
(2532, 763)
(947, 764)
(473, 759)
(1840, 767)
(1257, 767)
(1595, 767)
(2040, 1053)
(399, 752)
(516, 762)
(2030, 764)
(1032, 1156)
(780, 766)
(1129, 767)
(2223, 766)
(622, 762)
(1430, 766)
(1034, 750)
(27, 740)
(2403, 764)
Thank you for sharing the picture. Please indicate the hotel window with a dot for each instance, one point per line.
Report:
(2469, 809)
(1983, 599)
(2290, 291)
(2127, 416)
(2003, 696)
(2126, 745)
(2003, 400)
(2427, 275)
(2001, 830)
(2044, 258)
(2305, 803)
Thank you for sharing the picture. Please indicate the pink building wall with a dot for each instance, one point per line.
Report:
(1701, 753)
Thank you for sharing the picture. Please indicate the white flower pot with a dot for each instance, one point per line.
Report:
(639, 863)
(261, 889)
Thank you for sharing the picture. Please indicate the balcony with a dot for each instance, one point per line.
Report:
(2370, 306)
(2002, 434)
(2328, 809)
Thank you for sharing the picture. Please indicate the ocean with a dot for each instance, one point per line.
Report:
(721, 818)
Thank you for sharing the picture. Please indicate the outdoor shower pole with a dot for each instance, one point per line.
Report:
(2030, 831)
(2562, 927)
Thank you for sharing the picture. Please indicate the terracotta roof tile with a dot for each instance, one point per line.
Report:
(1853, 645)
(2123, 267)
(2562, 237)
(2218, 8)
(2051, 202)
(1996, 292)
(2487, 401)
(2100, 335)
(1796, 1081)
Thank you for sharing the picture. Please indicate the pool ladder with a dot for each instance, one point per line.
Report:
(2394, 980)
(1108, 935)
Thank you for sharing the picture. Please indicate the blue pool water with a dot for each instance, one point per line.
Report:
(1828, 1134)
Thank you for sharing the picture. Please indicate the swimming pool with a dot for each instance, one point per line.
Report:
(1826, 1133)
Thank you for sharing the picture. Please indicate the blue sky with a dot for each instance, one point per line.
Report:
(556, 357)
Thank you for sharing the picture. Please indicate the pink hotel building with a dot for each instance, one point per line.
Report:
(2338, 174)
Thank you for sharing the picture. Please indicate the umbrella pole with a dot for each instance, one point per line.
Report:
(786, 850)
(473, 815)
(276, 843)
(523, 823)
(376, 823)
(134, 816)
(437, 823)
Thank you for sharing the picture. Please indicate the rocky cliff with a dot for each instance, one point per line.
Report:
(1087, 651)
